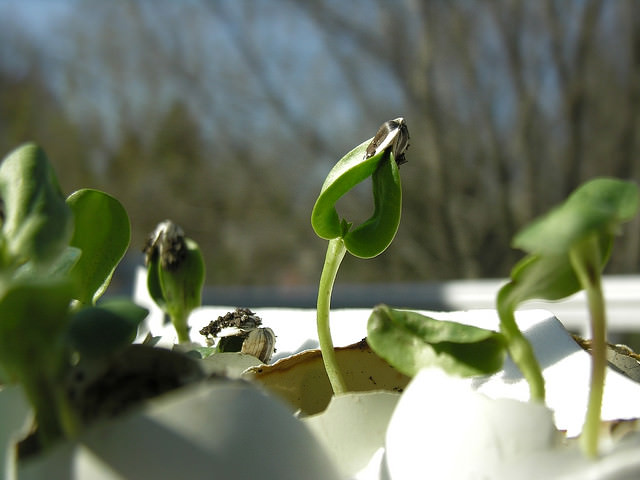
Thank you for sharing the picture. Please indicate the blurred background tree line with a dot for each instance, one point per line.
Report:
(225, 116)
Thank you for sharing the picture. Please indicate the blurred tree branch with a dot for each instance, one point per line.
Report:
(226, 115)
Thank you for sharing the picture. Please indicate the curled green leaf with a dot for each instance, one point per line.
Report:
(410, 341)
(374, 235)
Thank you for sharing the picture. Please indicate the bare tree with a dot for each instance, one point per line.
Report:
(480, 82)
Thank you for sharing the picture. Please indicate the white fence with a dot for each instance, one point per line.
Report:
(622, 295)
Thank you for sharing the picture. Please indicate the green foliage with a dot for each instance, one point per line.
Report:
(37, 222)
(599, 207)
(33, 317)
(374, 235)
(102, 233)
(409, 341)
(53, 251)
(100, 330)
(594, 211)
(567, 250)
(175, 274)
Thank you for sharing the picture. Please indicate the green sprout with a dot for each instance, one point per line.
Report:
(377, 158)
(568, 249)
(175, 275)
(57, 257)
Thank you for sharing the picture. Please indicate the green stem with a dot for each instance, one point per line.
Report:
(42, 397)
(521, 352)
(586, 263)
(335, 253)
(54, 414)
(181, 324)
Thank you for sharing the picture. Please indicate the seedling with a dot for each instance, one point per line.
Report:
(175, 275)
(376, 158)
(57, 256)
(567, 250)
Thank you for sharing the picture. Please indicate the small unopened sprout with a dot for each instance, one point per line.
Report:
(167, 242)
(175, 274)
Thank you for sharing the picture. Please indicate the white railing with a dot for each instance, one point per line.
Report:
(622, 294)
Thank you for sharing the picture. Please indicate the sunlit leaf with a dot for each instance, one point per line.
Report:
(352, 169)
(102, 233)
(37, 222)
(598, 206)
(595, 209)
(578, 233)
(410, 341)
(375, 234)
